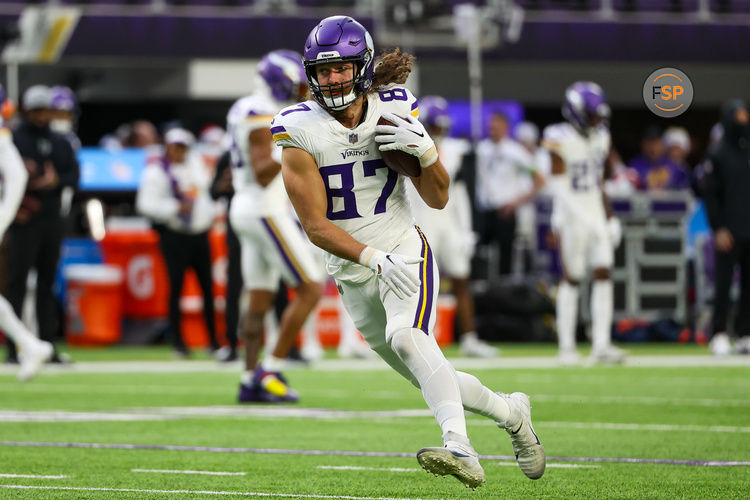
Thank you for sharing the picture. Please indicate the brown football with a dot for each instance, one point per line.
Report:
(401, 162)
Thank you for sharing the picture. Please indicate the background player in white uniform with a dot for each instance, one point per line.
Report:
(355, 208)
(582, 217)
(273, 245)
(449, 229)
(13, 175)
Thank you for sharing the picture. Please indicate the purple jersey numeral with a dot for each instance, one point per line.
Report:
(393, 95)
(298, 107)
(371, 168)
(346, 174)
(581, 176)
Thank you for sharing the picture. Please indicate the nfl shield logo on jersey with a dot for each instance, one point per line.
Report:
(353, 138)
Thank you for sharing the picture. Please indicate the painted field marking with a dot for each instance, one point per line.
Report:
(200, 472)
(34, 476)
(347, 453)
(552, 466)
(399, 469)
(377, 469)
(197, 492)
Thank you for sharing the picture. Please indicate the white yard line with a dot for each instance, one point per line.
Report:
(174, 366)
(377, 469)
(198, 472)
(197, 492)
(34, 476)
(553, 466)
(384, 417)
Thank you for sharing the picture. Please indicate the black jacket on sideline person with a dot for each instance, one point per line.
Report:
(42, 145)
(727, 183)
(727, 198)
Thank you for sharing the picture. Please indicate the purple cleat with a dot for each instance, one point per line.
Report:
(267, 387)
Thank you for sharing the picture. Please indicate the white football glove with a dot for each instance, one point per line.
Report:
(392, 269)
(614, 230)
(407, 135)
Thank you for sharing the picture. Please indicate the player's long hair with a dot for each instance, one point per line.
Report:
(393, 67)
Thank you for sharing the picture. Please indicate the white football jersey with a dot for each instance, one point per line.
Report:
(584, 158)
(247, 114)
(365, 198)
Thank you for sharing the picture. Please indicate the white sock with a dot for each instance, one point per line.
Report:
(435, 375)
(247, 377)
(567, 316)
(271, 363)
(601, 314)
(480, 400)
(13, 327)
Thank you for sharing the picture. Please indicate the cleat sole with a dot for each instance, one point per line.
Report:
(441, 462)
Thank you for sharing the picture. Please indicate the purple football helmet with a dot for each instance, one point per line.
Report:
(339, 39)
(585, 105)
(63, 99)
(433, 112)
(283, 72)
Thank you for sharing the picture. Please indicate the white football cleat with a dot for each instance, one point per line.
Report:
(473, 347)
(526, 445)
(32, 357)
(720, 345)
(609, 354)
(312, 351)
(357, 349)
(457, 458)
(568, 358)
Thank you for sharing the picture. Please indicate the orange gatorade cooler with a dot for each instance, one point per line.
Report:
(446, 317)
(146, 286)
(94, 306)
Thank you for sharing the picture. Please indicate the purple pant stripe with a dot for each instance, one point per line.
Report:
(281, 249)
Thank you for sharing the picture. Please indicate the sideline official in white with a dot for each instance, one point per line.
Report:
(174, 194)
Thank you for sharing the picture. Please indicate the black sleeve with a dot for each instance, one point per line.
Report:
(67, 168)
(713, 192)
(221, 166)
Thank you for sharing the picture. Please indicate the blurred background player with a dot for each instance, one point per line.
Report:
(527, 135)
(449, 229)
(174, 194)
(13, 175)
(273, 245)
(358, 212)
(503, 166)
(64, 114)
(582, 218)
(35, 237)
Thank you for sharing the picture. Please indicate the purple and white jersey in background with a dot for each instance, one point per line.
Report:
(246, 115)
(584, 157)
(365, 198)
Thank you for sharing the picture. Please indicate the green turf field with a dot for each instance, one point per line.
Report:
(181, 417)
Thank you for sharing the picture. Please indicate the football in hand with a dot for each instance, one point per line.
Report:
(401, 162)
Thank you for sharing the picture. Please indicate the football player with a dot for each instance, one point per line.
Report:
(273, 245)
(355, 208)
(449, 229)
(13, 174)
(582, 218)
